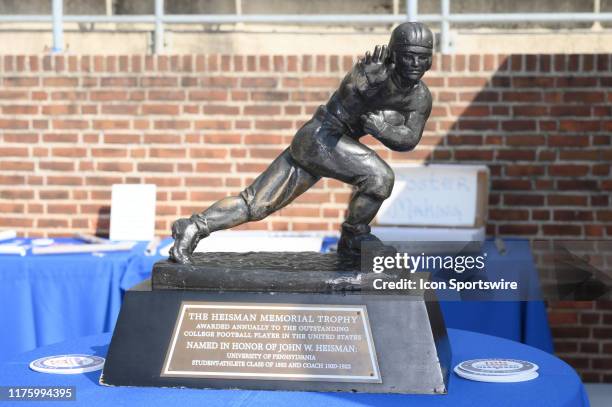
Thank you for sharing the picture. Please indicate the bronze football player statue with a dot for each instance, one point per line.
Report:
(382, 95)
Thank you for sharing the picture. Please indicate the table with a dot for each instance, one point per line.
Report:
(557, 386)
(48, 299)
(521, 321)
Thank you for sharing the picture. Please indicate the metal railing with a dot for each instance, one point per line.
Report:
(159, 19)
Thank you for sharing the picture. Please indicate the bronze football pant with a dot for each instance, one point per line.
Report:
(319, 149)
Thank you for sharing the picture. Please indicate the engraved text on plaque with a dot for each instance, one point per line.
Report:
(273, 342)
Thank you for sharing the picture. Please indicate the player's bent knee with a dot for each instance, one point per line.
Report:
(379, 185)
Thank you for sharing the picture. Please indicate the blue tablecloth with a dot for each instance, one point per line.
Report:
(521, 321)
(557, 386)
(51, 298)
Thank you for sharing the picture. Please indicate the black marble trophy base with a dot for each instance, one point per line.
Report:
(411, 346)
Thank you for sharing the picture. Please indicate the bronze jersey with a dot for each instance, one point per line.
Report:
(355, 97)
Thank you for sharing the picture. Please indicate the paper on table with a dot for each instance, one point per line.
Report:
(133, 212)
(7, 234)
(151, 248)
(13, 249)
(83, 248)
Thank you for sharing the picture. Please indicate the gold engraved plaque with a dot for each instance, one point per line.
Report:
(272, 342)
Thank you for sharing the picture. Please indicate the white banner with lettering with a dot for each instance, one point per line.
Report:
(432, 195)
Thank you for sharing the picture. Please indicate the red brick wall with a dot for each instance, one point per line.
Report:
(201, 127)
(583, 337)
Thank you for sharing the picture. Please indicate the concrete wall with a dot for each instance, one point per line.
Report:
(112, 40)
(310, 7)
(286, 39)
(44, 6)
(299, 7)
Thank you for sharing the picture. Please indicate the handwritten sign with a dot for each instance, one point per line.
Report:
(435, 195)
